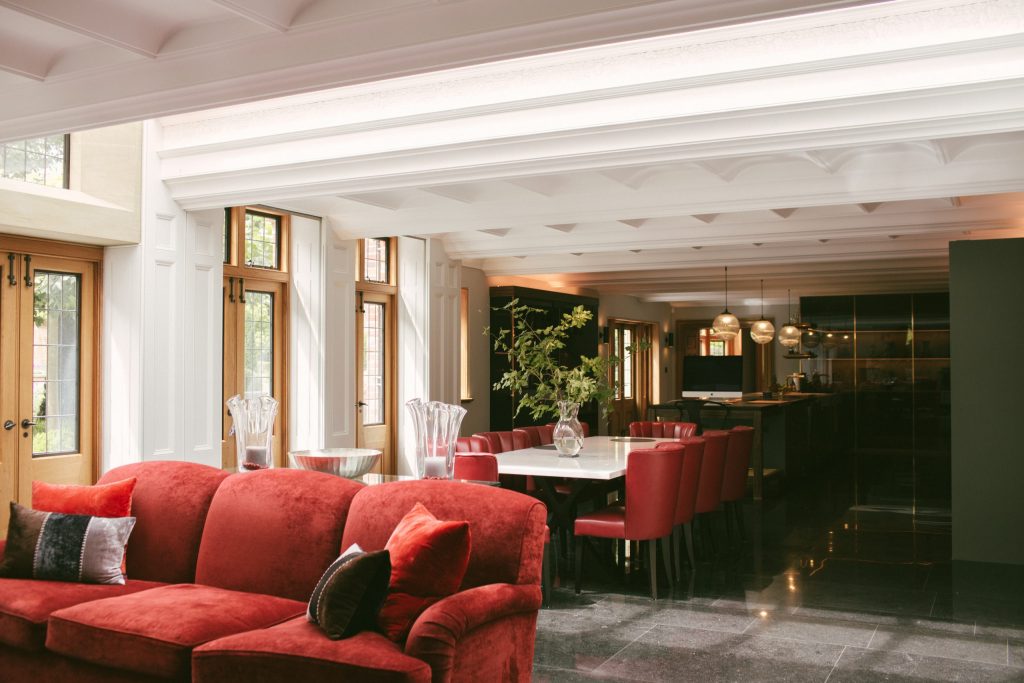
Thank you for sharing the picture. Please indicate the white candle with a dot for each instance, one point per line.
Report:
(435, 468)
(255, 458)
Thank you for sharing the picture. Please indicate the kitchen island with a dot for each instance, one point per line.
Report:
(793, 435)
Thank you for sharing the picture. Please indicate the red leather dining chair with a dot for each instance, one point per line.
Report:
(686, 502)
(500, 442)
(709, 487)
(664, 430)
(734, 479)
(652, 488)
(472, 444)
(539, 435)
(476, 467)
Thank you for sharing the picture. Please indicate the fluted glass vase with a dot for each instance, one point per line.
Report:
(254, 431)
(436, 426)
(568, 433)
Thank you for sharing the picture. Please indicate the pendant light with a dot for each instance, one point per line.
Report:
(726, 326)
(789, 335)
(762, 332)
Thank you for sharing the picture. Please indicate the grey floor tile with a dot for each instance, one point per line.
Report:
(867, 666)
(814, 630)
(673, 654)
(940, 644)
(547, 674)
(869, 600)
(582, 643)
(669, 613)
(1015, 654)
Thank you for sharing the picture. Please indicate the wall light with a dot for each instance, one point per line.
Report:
(670, 340)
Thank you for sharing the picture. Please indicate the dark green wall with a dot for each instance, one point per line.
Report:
(986, 285)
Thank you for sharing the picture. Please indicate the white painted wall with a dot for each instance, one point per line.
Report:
(306, 350)
(162, 313)
(101, 205)
(478, 417)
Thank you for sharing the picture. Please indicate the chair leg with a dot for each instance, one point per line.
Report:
(726, 512)
(621, 545)
(688, 533)
(652, 561)
(737, 508)
(579, 561)
(666, 559)
(677, 551)
(545, 577)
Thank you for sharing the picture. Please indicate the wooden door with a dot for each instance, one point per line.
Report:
(254, 355)
(375, 375)
(48, 386)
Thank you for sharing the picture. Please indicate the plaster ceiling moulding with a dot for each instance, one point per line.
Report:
(562, 227)
(388, 201)
(783, 213)
(869, 207)
(543, 186)
(278, 15)
(635, 223)
(463, 194)
(955, 202)
(707, 218)
(498, 232)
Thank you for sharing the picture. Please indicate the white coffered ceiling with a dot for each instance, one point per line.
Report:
(838, 151)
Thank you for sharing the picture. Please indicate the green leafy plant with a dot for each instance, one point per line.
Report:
(537, 375)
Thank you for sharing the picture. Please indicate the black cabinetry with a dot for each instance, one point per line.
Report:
(581, 342)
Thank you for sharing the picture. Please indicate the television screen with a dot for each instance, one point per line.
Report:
(712, 375)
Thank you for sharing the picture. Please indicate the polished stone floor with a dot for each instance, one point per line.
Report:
(823, 589)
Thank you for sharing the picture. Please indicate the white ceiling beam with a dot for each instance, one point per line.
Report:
(23, 58)
(273, 14)
(116, 24)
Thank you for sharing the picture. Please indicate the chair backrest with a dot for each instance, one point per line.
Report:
(709, 490)
(500, 442)
(476, 467)
(689, 477)
(737, 461)
(507, 528)
(652, 487)
(472, 444)
(662, 430)
(539, 435)
(170, 504)
(274, 531)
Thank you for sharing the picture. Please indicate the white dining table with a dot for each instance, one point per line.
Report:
(602, 458)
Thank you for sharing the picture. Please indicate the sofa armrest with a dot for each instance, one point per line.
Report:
(435, 635)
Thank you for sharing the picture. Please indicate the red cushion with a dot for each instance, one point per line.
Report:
(169, 505)
(153, 632)
(26, 604)
(607, 523)
(274, 531)
(428, 562)
(101, 500)
(297, 651)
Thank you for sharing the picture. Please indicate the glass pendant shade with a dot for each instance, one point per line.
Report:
(811, 339)
(726, 325)
(789, 336)
(762, 331)
(830, 341)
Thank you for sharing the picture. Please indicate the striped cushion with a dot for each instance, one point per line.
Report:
(58, 547)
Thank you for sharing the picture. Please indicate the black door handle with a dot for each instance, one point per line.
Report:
(26, 423)
(9, 425)
(28, 270)
(231, 289)
(11, 280)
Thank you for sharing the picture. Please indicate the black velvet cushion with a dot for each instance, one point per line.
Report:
(58, 547)
(350, 593)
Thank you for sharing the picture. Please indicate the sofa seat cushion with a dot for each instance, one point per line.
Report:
(154, 632)
(298, 651)
(26, 605)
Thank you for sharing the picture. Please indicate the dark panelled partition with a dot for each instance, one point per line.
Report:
(581, 342)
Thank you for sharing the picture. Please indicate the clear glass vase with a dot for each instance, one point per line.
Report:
(568, 433)
(436, 426)
(254, 431)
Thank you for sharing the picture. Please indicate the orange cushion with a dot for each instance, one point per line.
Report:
(428, 562)
(102, 500)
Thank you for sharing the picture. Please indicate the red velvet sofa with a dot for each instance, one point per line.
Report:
(220, 568)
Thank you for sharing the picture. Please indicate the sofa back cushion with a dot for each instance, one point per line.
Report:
(170, 502)
(274, 531)
(507, 528)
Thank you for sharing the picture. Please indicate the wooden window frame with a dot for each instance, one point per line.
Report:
(391, 286)
(465, 381)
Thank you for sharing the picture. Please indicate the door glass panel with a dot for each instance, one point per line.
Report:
(262, 233)
(373, 363)
(55, 357)
(375, 260)
(259, 343)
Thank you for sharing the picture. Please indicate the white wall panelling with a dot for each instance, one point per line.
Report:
(121, 357)
(339, 341)
(305, 344)
(413, 339)
(443, 352)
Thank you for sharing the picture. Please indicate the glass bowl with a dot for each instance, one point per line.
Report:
(350, 463)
